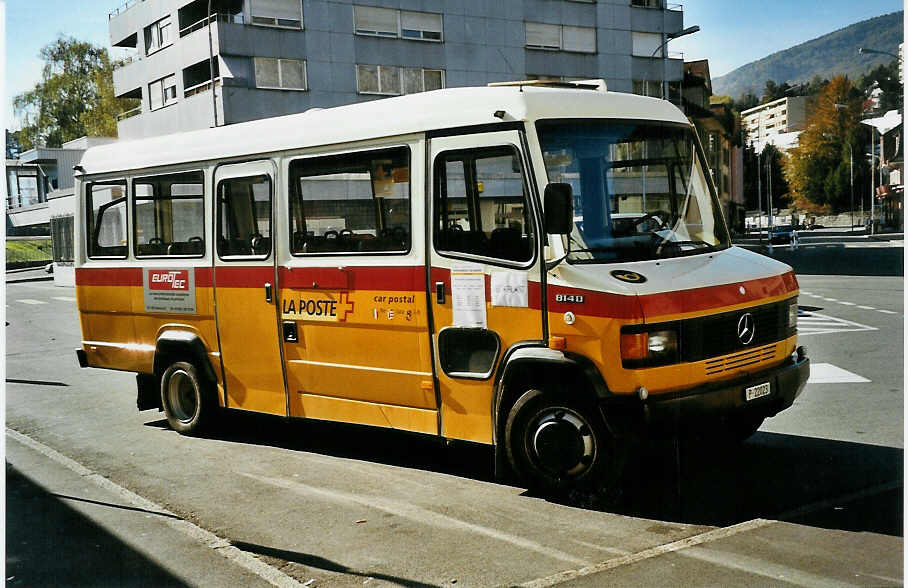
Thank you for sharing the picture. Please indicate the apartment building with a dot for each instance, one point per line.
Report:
(779, 117)
(262, 58)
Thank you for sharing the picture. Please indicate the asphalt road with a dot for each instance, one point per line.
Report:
(349, 506)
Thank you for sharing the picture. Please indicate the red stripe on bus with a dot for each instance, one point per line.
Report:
(109, 276)
(700, 299)
(388, 278)
(237, 276)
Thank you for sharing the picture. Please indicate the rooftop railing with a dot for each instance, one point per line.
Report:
(200, 24)
(199, 88)
(123, 8)
(129, 113)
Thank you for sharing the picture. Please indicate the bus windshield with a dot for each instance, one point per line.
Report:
(640, 189)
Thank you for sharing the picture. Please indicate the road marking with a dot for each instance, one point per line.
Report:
(221, 546)
(846, 303)
(814, 323)
(826, 373)
(416, 514)
(866, 307)
(886, 311)
(64, 298)
(828, 299)
(700, 539)
(30, 301)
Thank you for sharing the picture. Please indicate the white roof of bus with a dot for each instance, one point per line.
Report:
(414, 113)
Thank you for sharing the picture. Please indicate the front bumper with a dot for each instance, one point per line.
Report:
(705, 405)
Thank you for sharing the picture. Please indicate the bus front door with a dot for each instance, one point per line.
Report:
(484, 271)
(245, 288)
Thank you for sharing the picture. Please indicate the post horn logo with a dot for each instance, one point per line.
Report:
(628, 276)
(746, 329)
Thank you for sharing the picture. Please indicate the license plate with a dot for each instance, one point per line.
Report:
(757, 391)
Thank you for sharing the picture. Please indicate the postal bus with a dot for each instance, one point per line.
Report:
(543, 268)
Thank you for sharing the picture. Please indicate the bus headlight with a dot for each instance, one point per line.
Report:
(644, 346)
(793, 314)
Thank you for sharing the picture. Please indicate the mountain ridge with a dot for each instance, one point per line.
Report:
(824, 56)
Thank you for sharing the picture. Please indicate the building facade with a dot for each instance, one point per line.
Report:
(264, 58)
(779, 117)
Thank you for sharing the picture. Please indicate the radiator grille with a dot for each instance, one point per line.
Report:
(740, 360)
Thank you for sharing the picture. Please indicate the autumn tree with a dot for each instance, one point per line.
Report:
(73, 98)
(818, 168)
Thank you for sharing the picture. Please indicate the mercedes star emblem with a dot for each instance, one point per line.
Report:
(746, 328)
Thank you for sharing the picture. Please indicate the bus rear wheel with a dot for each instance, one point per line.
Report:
(186, 398)
(557, 444)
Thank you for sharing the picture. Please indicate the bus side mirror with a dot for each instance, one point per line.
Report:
(559, 209)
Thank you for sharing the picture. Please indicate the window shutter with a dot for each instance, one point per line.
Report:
(368, 19)
(420, 21)
(155, 95)
(367, 78)
(266, 73)
(280, 10)
(389, 78)
(433, 79)
(292, 74)
(644, 44)
(543, 35)
(412, 80)
(580, 39)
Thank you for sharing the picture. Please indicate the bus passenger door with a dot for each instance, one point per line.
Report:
(484, 271)
(353, 289)
(245, 287)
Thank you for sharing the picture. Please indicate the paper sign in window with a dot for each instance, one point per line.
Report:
(468, 296)
(509, 289)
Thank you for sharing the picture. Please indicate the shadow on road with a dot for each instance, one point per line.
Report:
(819, 482)
(839, 260)
(48, 543)
(320, 563)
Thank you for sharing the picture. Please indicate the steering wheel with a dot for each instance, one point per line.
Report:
(660, 215)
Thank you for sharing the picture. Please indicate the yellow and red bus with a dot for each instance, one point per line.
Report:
(540, 267)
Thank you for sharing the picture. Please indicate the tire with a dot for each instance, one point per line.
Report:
(557, 444)
(187, 398)
(740, 428)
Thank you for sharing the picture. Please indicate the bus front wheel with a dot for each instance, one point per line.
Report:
(186, 398)
(557, 444)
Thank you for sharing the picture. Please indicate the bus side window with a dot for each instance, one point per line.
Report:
(244, 217)
(481, 206)
(106, 204)
(351, 203)
(169, 215)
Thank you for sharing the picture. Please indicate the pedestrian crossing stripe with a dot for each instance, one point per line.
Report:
(814, 323)
(30, 301)
(64, 298)
(826, 373)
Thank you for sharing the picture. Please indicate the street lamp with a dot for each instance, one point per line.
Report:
(865, 50)
(669, 37)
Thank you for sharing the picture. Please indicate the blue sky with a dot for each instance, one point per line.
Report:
(732, 32)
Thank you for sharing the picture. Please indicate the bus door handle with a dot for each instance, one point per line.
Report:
(268, 293)
(440, 292)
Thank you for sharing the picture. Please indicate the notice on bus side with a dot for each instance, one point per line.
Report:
(468, 296)
(169, 290)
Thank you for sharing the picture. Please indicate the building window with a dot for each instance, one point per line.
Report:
(162, 92)
(351, 203)
(169, 215)
(558, 37)
(387, 22)
(277, 13)
(648, 88)
(61, 235)
(284, 74)
(647, 3)
(647, 44)
(393, 81)
(158, 35)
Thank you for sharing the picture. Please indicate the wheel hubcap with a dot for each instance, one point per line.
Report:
(563, 443)
(181, 395)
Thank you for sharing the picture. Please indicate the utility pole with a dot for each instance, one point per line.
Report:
(769, 198)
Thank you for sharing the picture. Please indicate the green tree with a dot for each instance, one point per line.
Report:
(817, 169)
(73, 98)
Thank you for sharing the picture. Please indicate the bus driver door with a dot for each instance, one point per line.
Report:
(245, 293)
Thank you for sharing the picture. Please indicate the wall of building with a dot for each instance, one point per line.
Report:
(482, 42)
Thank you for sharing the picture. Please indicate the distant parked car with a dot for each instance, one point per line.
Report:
(781, 234)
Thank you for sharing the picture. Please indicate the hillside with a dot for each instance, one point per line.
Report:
(831, 54)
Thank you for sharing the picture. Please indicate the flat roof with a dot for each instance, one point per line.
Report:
(388, 117)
